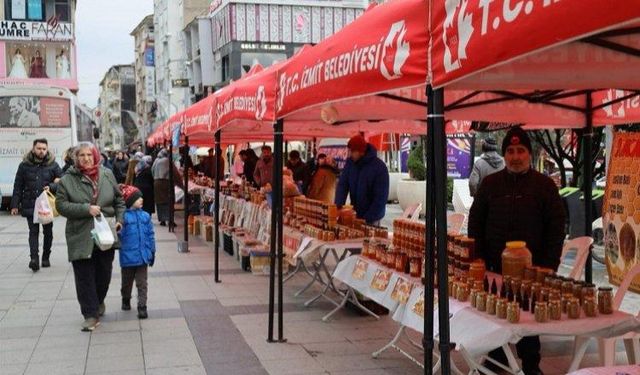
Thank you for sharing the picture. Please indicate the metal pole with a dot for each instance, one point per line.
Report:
(440, 174)
(278, 205)
(273, 240)
(429, 259)
(587, 141)
(216, 217)
(172, 199)
(183, 246)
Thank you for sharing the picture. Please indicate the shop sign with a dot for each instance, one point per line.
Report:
(149, 57)
(621, 209)
(484, 126)
(150, 82)
(36, 31)
(262, 47)
(460, 150)
(180, 82)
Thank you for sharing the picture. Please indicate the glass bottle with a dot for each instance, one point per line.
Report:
(515, 258)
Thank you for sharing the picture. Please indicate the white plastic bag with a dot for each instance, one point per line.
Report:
(42, 212)
(102, 234)
(179, 193)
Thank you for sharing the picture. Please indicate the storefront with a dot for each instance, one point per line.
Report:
(37, 43)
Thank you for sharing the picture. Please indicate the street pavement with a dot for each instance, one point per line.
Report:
(195, 325)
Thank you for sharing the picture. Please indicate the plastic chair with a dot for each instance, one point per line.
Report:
(412, 212)
(581, 245)
(607, 345)
(455, 222)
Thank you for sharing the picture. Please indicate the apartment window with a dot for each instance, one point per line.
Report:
(32, 10)
(226, 68)
(63, 10)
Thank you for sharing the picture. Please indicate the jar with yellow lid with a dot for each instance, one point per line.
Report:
(515, 259)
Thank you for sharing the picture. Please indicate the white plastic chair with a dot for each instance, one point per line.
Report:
(455, 222)
(412, 212)
(581, 245)
(607, 346)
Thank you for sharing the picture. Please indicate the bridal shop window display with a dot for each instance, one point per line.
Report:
(18, 65)
(38, 61)
(63, 66)
(37, 68)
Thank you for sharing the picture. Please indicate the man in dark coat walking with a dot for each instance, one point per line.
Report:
(37, 172)
(518, 204)
(365, 179)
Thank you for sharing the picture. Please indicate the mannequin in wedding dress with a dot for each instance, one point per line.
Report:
(63, 68)
(18, 69)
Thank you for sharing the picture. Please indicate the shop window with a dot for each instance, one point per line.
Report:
(226, 68)
(29, 60)
(249, 59)
(32, 10)
(62, 10)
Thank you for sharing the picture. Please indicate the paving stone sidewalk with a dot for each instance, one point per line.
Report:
(195, 326)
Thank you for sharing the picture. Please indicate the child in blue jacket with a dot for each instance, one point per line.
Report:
(137, 249)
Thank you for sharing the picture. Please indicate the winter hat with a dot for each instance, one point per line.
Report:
(130, 194)
(489, 144)
(516, 136)
(357, 143)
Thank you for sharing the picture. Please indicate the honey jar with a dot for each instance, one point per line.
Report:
(566, 297)
(573, 308)
(513, 312)
(555, 310)
(477, 269)
(588, 290)
(590, 307)
(515, 258)
(414, 267)
(501, 308)
(605, 300)
(567, 286)
(481, 301)
(542, 313)
(473, 294)
(463, 293)
(530, 273)
(491, 304)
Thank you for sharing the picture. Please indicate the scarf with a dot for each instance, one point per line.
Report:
(92, 172)
(143, 164)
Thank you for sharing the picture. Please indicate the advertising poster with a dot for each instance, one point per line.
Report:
(460, 155)
(337, 152)
(621, 209)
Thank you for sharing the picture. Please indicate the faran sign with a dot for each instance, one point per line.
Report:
(39, 31)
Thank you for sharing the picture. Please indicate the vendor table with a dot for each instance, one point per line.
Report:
(475, 333)
(316, 257)
(617, 370)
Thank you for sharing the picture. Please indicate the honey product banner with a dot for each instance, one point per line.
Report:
(621, 209)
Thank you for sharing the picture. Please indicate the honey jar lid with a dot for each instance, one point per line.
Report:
(516, 244)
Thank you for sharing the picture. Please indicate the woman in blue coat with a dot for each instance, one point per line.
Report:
(365, 179)
(137, 249)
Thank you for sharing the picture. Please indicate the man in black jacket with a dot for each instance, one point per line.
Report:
(37, 172)
(518, 203)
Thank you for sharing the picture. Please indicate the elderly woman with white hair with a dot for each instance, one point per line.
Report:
(87, 191)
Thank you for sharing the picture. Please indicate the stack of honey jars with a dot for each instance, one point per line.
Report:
(462, 258)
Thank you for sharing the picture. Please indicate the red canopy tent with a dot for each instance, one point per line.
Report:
(378, 67)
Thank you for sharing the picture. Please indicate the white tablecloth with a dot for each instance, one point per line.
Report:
(616, 370)
(477, 331)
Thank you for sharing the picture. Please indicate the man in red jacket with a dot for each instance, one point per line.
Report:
(518, 203)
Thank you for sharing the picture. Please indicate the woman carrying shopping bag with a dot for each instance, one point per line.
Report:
(88, 191)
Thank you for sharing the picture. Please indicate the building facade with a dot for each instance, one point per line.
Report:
(233, 35)
(116, 107)
(145, 76)
(37, 43)
(170, 18)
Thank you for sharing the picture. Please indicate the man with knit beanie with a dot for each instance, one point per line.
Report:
(137, 251)
(489, 162)
(518, 204)
(365, 179)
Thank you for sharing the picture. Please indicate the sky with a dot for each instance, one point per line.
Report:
(103, 40)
